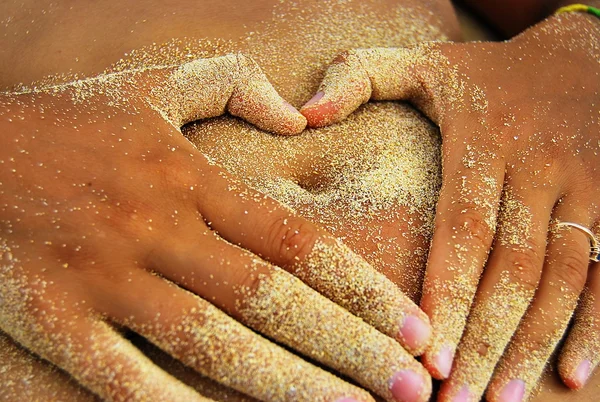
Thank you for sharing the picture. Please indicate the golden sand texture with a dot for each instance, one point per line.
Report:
(388, 179)
(284, 309)
(345, 173)
(231, 354)
(30, 316)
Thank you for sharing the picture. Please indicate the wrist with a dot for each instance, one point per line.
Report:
(577, 11)
(551, 8)
(563, 3)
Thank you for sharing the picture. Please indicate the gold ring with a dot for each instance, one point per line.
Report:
(594, 245)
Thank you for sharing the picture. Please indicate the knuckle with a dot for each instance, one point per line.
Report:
(352, 58)
(179, 175)
(571, 267)
(106, 274)
(292, 239)
(228, 63)
(524, 266)
(125, 219)
(246, 276)
(471, 226)
(344, 56)
(247, 65)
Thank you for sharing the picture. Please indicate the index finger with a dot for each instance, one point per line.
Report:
(266, 228)
(206, 88)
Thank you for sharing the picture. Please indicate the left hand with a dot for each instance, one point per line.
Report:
(520, 125)
(103, 203)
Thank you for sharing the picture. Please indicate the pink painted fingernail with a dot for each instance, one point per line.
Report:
(314, 99)
(443, 361)
(347, 400)
(407, 386)
(513, 391)
(463, 395)
(414, 331)
(583, 372)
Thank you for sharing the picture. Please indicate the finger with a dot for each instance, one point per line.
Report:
(464, 228)
(391, 371)
(96, 356)
(505, 290)
(200, 260)
(263, 226)
(581, 353)
(280, 306)
(203, 385)
(547, 318)
(206, 339)
(206, 88)
(358, 75)
(25, 377)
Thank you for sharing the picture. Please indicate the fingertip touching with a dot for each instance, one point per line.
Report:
(345, 87)
(205, 88)
(320, 114)
(255, 100)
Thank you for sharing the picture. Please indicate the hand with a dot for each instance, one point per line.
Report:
(520, 128)
(110, 216)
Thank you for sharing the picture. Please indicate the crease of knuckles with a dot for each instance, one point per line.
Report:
(570, 263)
(570, 270)
(404, 73)
(292, 239)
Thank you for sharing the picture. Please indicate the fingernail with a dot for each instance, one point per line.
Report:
(347, 400)
(407, 386)
(414, 331)
(463, 395)
(583, 372)
(513, 391)
(443, 361)
(314, 99)
(291, 108)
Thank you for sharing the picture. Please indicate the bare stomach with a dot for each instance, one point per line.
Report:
(372, 180)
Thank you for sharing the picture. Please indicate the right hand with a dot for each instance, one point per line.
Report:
(517, 122)
(110, 216)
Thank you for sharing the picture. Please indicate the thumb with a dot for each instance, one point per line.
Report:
(356, 76)
(206, 88)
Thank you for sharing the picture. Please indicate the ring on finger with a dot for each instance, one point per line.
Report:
(594, 244)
